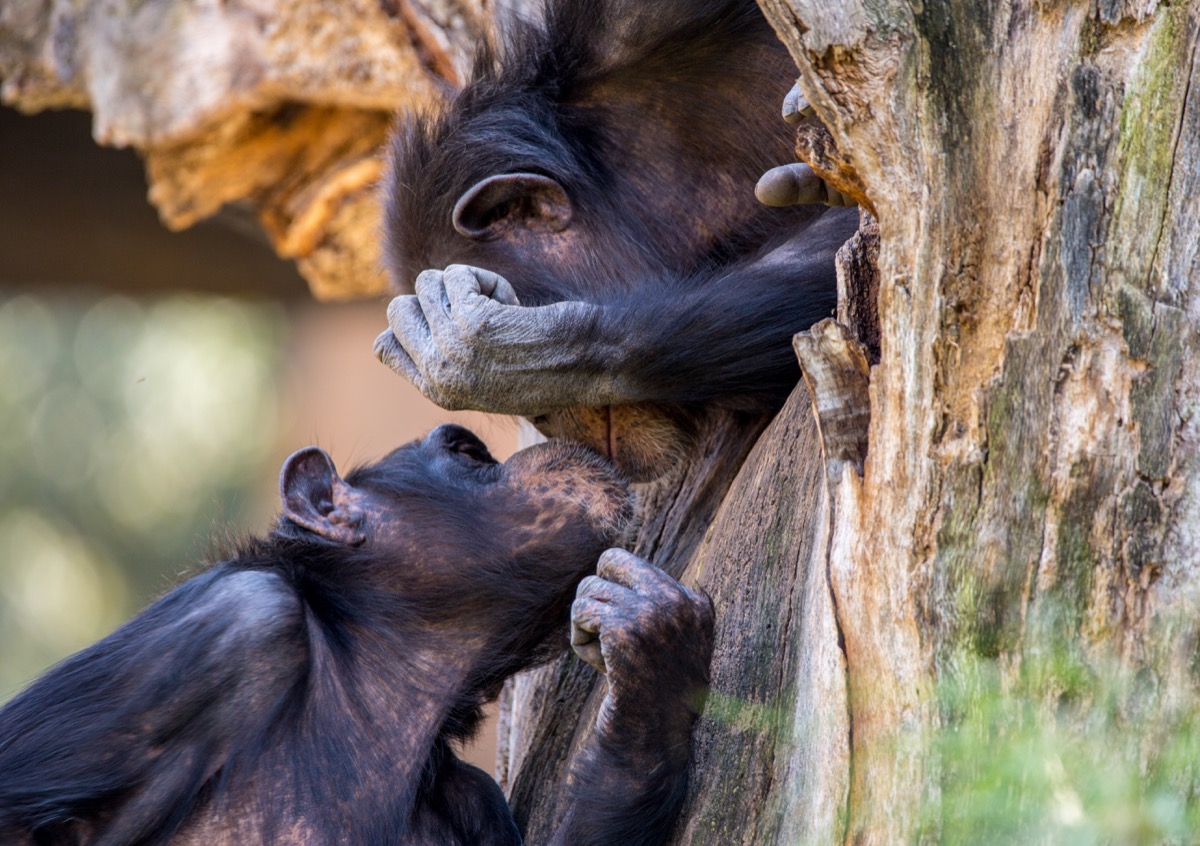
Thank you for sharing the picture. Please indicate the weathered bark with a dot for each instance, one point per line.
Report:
(1032, 476)
(280, 105)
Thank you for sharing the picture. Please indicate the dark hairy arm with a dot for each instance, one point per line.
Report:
(652, 637)
(465, 342)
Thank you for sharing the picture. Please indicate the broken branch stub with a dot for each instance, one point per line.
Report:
(837, 374)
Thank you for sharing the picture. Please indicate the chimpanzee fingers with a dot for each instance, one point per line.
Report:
(407, 320)
(624, 568)
(435, 303)
(789, 185)
(585, 633)
(599, 607)
(796, 106)
(591, 653)
(464, 281)
(388, 350)
(656, 595)
(589, 618)
(414, 336)
(606, 591)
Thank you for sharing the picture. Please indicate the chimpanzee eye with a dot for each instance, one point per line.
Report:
(474, 452)
(459, 441)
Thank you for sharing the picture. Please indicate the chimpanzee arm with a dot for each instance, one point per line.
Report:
(466, 344)
(139, 722)
(653, 639)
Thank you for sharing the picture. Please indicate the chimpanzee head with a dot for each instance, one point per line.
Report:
(465, 544)
(496, 182)
(589, 149)
(600, 155)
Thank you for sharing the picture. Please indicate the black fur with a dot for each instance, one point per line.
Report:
(307, 690)
(656, 119)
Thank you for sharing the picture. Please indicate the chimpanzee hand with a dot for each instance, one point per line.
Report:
(653, 639)
(795, 183)
(651, 636)
(466, 342)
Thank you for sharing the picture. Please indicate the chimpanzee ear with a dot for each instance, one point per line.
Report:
(315, 497)
(496, 204)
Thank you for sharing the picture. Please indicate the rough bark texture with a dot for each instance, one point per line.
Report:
(1032, 472)
(280, 105)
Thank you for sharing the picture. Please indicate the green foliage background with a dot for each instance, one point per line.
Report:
(131, 433)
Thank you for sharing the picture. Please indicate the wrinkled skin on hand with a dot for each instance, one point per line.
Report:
(634, 623)
(652, 638)
(465, 341)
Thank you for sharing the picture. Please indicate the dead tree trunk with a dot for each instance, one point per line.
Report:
(1031, 483)
(1004, 540)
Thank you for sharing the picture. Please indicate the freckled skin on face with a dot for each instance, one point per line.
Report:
(576, 239)
(308, 688)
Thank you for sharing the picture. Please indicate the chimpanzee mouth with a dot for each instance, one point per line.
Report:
(575, 472)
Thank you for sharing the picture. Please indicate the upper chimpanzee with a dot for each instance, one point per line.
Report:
(308, 689)
(600, 165)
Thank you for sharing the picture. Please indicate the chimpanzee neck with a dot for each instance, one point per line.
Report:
(393, 691)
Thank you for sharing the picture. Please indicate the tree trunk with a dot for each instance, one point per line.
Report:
(979, 623)
(1028, 502)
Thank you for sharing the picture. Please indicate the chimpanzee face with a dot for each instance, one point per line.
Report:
(463, 533)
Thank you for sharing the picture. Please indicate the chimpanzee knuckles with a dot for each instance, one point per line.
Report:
(796, 184)
(789, 185)
(464, 341)
(439, 325)
(315, 497)
(499, 203)
(459, 283)
(631, 610)
(796, 106)
(389, 351)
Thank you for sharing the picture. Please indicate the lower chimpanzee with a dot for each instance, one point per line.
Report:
(599, 166)
(308, 689)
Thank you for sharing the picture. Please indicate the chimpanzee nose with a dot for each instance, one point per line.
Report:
(455, 438)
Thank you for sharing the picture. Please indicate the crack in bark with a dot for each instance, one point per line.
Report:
(1183, 112)
(841, 642)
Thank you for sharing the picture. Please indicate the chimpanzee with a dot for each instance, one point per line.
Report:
(599, 166)
(309, 689)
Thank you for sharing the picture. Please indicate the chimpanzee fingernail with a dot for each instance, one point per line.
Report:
(794, 104)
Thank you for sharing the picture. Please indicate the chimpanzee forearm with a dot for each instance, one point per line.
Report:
(628, 783)
(703, 348)
(466, 344)
(653, 639)
(729, 335)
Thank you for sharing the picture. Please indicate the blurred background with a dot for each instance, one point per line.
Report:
(151, 384)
